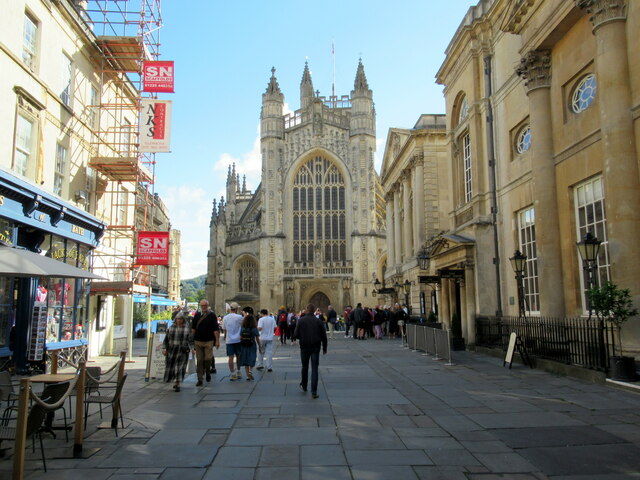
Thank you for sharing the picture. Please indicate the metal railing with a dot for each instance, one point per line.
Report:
(432, 341)
(585, 342)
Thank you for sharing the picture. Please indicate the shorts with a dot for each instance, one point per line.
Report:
(401, 323)
(233, 349)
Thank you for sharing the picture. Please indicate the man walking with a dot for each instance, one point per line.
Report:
(332, 319)
(206, 334)
(266, 327)
(232, 324)
(312, 335)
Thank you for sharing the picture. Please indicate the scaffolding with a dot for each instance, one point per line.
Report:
(127, 33)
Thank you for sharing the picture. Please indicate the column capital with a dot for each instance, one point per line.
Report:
(416, 160)
(535, 69)
(389, 196)
(604, 11)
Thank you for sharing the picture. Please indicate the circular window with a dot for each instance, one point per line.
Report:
(584, 94)
(523, 142)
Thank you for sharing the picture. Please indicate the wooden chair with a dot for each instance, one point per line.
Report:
(35, 419)
(113, 400)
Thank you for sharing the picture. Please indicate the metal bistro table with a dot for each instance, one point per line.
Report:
(53, 378)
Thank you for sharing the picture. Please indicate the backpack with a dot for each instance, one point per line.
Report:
(282, 318)
(246, 337)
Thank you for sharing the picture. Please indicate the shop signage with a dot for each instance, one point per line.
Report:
(153, 248)
(453, 274)
(155, 125)
(429, 279)
(158, 76)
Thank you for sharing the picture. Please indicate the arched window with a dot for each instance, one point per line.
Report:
(584, 93)
(247, 275)
(319, 212)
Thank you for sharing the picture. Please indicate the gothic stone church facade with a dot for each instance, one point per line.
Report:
(314, 229)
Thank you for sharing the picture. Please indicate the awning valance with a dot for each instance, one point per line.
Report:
(23, 263)
(155, 300)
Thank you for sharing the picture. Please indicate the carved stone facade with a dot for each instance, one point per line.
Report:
(314, 228)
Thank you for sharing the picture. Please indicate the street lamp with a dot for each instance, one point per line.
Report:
(423, 259)
(376, 287)
(407, 289)
(518, 263)
(588, 248)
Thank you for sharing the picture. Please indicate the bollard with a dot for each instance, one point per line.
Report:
(21, 429)
(78, 431)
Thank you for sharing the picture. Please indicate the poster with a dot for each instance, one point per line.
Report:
(157, 360)
(155, 125)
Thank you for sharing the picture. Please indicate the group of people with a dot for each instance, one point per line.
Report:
(249, 341)
(376, 322)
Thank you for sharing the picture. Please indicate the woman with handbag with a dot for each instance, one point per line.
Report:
(176, 346)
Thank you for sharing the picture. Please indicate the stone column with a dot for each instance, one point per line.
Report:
(391, 220)
(407, 227)
(397, 236)
(419, 234)
(619, 162)
(535, 68)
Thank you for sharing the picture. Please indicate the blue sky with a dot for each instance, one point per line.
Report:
(223, 53)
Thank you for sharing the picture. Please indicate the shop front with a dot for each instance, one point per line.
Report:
(43, 297)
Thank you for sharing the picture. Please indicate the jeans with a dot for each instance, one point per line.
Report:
(312, 354)
(204, 356)
(266, 353)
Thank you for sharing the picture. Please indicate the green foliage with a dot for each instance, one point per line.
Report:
(163, 315)
(190, 287)
(196, 296)
(432, 318)
(612, 304)
(140, 312)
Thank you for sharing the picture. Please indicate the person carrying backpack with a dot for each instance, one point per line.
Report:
(282, 325)
(249, 335)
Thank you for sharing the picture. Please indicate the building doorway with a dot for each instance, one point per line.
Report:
(321, 301)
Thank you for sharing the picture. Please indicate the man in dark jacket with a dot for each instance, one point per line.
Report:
(206, 335)
(312, 335)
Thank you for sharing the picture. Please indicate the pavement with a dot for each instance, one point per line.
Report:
(384, 413)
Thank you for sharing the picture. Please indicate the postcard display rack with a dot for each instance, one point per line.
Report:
(38, 333)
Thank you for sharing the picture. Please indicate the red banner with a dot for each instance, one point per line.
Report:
(158, 76)
(153, 248)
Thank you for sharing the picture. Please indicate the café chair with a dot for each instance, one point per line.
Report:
(52, 394)
(113, 400)
(7, 394)
(35, 419)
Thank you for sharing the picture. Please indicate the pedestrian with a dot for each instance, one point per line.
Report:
(249, 335)
(177, 344)
(266, 327)
(206, 335)
(347, 320)
(358, 321)
(332, 318)
(312, 336)
(231, 325)
(378, 320)
(282, 325)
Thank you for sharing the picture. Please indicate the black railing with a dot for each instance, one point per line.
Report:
(585, 342)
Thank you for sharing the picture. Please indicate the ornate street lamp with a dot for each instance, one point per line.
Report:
(376, 287)
(407, 289)
(589, 248)
(518, 263)
(423, 259)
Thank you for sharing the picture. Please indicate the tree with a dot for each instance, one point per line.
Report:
(614, 305)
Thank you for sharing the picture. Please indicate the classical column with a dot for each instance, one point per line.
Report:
(407, 224)
(419, 234)
(397, 236)
(535, 68)
(619, 162)
(391, 257)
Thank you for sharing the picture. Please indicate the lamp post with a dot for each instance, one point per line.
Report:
(423, 259)
(518, 263)
(407, 289)
(376, 287)
(589, 248)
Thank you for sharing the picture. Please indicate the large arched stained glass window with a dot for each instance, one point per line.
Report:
(319, 230)
(247, 275)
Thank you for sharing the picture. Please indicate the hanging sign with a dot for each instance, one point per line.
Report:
(155, 125)
(157, 76)
(153, 248)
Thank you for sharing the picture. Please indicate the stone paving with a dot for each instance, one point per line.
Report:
(384, 412)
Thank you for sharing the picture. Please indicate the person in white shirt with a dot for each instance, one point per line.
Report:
(231, 325)
(266, 327)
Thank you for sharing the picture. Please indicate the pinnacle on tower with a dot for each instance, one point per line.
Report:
(306, 76)
(273, 87)
(361, 78)
(306, 87)
(244, 183)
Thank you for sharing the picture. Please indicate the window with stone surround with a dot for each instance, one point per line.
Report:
(527, 245)
(30, 41)
(523, 140)
(584, 93)
(591, 217)
(319, 213)
(247, 276)
(466, 165)
(60, 169)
